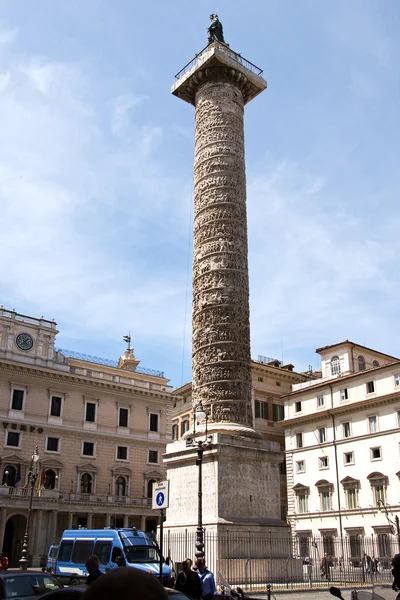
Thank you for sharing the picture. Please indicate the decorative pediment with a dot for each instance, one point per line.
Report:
(153, 474)
(322, 482)
(51, 462)
(299, 488)
(89, 467)
(324, 485)
(350, 482)
(377, 478)
(13, 459)
(122, 471)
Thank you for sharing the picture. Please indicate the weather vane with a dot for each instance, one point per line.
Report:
(128, 339)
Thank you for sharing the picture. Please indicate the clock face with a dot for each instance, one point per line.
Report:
(24, 341)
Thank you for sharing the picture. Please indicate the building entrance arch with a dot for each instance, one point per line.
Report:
(13, 538)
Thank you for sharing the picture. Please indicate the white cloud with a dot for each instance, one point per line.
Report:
(122, 107)
(7, 36)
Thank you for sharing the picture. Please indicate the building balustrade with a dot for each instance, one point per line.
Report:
(67, 497)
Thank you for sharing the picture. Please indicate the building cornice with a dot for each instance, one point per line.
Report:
(342, 410)
(80, 380)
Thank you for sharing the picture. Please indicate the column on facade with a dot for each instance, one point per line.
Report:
(53, 525)
(36, 541)
(70, 519)
(126, 520)
(3, 520)
(108, 520)
(89, 521)
(143, 523)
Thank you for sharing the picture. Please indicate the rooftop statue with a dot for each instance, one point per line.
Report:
(215, 31)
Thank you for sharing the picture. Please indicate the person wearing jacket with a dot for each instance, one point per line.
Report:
(208, 587)
(188, 581)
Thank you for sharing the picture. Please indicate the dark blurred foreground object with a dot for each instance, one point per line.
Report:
(67, 593)
(126, 583)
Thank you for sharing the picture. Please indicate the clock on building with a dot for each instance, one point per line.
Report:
(24, 341)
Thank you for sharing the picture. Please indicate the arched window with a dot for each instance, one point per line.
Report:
(51, 478)
(361, 363)
(120, 486)
(335, 365)
(375, 363)
(86, 483)
(9, 475)
(150, 488)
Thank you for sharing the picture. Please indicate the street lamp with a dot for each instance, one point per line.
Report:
(199, 416)
(394, 524)
(32, 478)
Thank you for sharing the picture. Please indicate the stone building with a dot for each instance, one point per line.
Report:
(100, 428)
(342, 451)
(271, 379)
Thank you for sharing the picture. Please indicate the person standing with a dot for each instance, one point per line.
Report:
(3, 562)
(188, 581)
(92, 565)
(208, 587)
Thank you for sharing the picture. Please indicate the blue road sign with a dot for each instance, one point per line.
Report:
(160, 499)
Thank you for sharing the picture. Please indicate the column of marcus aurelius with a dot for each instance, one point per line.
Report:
(240, 472)
(219, 85)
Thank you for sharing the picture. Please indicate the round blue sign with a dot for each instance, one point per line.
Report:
(160, 499)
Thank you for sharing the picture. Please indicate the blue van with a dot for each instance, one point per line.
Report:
(114, 547)
(51, 559)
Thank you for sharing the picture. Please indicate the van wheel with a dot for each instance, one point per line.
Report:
(74, 582)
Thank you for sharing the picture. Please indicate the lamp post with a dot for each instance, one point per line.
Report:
(394, 524)
(32, 478)
(199, 416)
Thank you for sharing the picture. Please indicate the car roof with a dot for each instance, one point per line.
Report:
(24, 574)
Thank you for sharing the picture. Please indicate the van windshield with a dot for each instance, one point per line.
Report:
(141, 554)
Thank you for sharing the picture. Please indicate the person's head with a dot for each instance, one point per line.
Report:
(126, 583)
(92, 563)
(186, 564)
(200, 564)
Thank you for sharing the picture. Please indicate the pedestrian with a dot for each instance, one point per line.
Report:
(126, 583)
(324, 566)
(92, 565)
(208, 587)
(396, 572)
(188, 581)
(3, 562)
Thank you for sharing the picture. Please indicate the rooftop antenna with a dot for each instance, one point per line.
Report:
(128, 339)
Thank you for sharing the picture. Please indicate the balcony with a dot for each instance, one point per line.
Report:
(64, 498)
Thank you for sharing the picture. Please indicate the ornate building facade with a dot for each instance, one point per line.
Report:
(100, 428)
(342, 451)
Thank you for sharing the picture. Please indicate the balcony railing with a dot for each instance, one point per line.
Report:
(71, 497)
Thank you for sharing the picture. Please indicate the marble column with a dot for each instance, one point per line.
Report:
(143, 523)
(108, 520)
(89, 521)
(70, 520)
(126, 520)
(3, 521)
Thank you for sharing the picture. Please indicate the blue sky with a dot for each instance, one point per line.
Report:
(96, 172)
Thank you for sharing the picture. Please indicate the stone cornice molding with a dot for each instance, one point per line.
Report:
(80, 380)
(342, 410)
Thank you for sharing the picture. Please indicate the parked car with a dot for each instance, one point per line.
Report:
(75, 593)
(26, 585)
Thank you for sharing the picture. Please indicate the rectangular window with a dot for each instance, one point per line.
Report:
(344, 394)
(260, 379)
(261, 409)
(88, 448)
(123, 414)
(103, 551)
(153, 456)
(351, 498)
(299, 440)
(397, 380)
(300, 466)
(297, 406)
(348, 458)
(90, 414)
(326, 501)
(282, 467)
(379, 494)
(52, 444)
(323, 462)
(373, 424)
(322, 435)
(17, 402)
(346, 430)
(278, 412)
(82, 550)
(175, 431)
(153, 422)
(302, 502)
(13, 439)
(376, 453)
(184, 426)
(370, 387)
(122, 453)
(55, 406)
(320, 401)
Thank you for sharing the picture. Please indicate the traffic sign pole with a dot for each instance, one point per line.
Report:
(161, 541)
